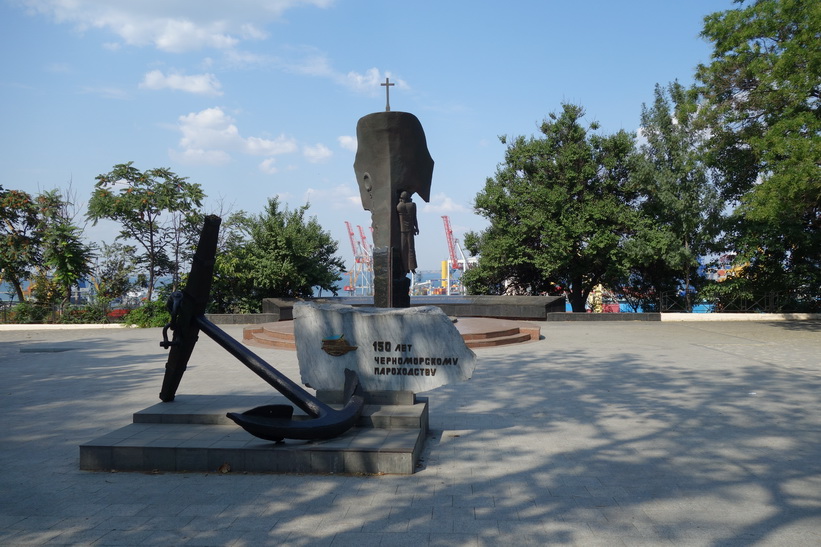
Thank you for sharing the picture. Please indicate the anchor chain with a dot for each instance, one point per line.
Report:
(174, 305)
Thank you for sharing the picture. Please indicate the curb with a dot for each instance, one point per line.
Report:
(67, 326)
(741, 316)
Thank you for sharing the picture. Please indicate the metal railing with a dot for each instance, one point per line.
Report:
(771, 302)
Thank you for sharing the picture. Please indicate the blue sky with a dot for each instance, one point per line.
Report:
(260, 98)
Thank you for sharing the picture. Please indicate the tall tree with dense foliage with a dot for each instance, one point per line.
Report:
(112, 270)
(278, 253)
(40, 242)
(763, 93)
(289, 254)
(232, 286)
(680, 206)
(66, 257)
(143, 203)
(20, 238)
(559, 208)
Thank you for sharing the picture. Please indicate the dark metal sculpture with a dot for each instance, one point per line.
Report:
(271, 422)
(408, 228)
(392, 158)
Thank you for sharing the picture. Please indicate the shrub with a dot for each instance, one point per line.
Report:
(26, 312)
(151, 313)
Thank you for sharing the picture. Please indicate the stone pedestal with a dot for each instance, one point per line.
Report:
(192, 434)
(391, 288)
(411, 349)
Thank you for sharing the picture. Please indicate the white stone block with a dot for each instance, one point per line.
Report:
(408, 349)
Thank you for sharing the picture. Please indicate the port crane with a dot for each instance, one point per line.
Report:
(361, 276)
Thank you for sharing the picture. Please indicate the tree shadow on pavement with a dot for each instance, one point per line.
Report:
(684, 442)
(654, 450)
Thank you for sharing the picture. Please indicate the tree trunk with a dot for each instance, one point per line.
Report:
(19, 289)
(576, 297)
(688, 307)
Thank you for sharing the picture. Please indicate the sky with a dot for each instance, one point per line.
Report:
(254, 99)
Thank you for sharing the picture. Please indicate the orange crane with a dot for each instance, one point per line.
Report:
(366, 248)
(356, 255)
(351, 287)
(362, 272)
(454, 261)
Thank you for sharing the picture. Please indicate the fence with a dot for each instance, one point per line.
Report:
(771, 302)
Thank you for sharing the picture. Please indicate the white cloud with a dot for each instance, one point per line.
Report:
(211, 135)
(313, 62)
(181, 35)
(202, 84)
(367, 82)
(442, 203)
(267, 147)
(268, 166)
(209, 128)
(172, 25)
(347, 142)
(317, 154)
(348, 198)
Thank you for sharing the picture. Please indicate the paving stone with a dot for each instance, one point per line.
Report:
(599, 434)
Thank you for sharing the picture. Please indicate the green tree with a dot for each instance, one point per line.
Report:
(66, 257)
(20, 238)
(679, 204)
(41, 243)
(142, 202)
(232, 286)
(763, 92)
(559, 208)
(289, 255)
(276, 253)
(113, 268)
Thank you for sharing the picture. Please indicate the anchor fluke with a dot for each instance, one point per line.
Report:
(271, 422)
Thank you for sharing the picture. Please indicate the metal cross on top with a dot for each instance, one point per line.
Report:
(387, 85)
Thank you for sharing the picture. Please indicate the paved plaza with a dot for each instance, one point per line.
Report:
(602, 433)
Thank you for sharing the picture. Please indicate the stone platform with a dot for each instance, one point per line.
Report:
(193, 434)
(477, 332)
(522, 308)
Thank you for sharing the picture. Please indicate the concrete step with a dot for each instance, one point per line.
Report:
(490, 334)
(516, 338)
(266, 340)
(192, 434)
(476, 332)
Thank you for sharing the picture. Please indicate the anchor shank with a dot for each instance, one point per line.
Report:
(195, 300)
(293, 391)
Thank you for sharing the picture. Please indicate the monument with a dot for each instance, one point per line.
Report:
(392, 163)
(270, 422)
(310, 433)
(350, 356)
(391, 351)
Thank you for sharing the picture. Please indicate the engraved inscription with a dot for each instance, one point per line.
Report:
(421, 365)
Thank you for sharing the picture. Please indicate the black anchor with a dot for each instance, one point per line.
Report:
(270, 422)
